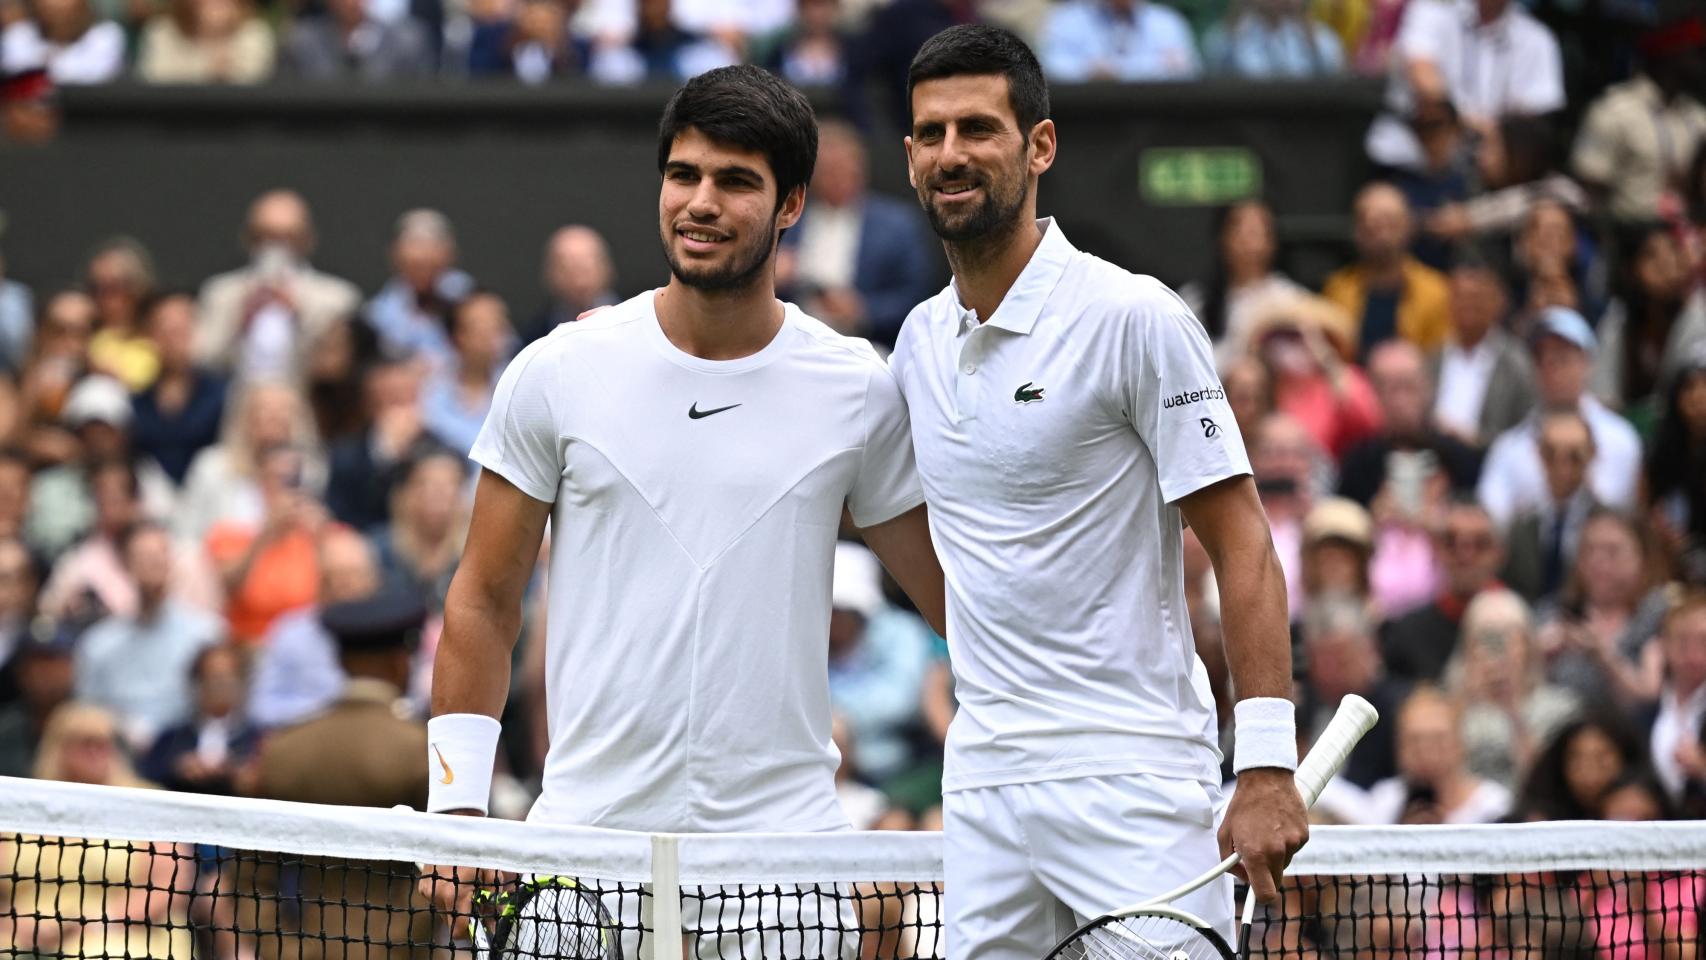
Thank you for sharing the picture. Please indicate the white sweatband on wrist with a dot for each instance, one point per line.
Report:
(461, 748)
(1264, 733)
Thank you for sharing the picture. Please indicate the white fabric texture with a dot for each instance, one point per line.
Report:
(696, 507)
(1053, 441)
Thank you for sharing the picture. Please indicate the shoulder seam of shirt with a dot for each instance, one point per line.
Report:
(833, 341)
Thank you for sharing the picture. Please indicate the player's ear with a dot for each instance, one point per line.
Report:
(1043, 145)
(793, 205)
(911, 176)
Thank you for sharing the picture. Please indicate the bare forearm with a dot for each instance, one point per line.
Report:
(471, 671)
(1229, 521)
(1256, 621)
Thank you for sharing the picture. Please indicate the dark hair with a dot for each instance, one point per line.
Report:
(453, 322)
(748, 107)
(158, 298)
(977, 49)
(1645, 781)
(1547, 789)
(1214, 304)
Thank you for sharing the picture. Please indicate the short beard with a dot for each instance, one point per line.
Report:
(739, 274)
(995, 216)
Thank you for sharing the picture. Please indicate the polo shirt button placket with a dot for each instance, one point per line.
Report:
(965, 393)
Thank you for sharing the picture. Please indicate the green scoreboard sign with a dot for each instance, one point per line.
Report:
(1199, 176)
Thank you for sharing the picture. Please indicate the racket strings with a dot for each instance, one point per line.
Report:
(1142, 938)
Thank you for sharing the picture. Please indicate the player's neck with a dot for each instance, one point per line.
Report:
(720, 325)
(986, 268)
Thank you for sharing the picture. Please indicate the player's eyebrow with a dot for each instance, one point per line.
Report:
(984, 120)
(722, 172)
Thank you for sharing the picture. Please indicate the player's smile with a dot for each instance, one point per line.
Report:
(700, 239)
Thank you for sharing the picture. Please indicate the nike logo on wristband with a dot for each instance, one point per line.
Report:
(449, 777)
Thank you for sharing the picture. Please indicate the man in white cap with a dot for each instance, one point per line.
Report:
(1512, 479)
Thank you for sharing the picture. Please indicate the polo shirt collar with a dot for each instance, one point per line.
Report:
(1024, 301)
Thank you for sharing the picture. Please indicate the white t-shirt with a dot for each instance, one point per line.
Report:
(1053, 441)
(693, 535)
(1509, 66)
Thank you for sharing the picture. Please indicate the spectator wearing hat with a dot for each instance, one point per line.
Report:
(180, 413)
(1637, 139)
(1512, 479)
(29, 110)
(1483, 378)
(1416, 645)
(411, 313)
(138, 666)
(1541, 545)
(1338, 541)
(45, 675)
(1304, 341)
(62, 508)
(877, 660)
(362, 750)
(204, 753)
(296, 671)
(263, 319)
(1386, 291)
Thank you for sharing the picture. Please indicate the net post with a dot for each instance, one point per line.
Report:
(666, 938)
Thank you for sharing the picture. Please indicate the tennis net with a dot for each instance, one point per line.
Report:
(108, 872)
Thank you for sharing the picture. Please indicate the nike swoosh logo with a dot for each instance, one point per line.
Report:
(694, 413)
(449, 777)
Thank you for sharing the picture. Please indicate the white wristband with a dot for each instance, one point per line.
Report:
(461, 748)
(1264, 731)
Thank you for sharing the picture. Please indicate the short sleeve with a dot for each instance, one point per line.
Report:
(887, 483)
(1539, 70)
(520, 440)
(1176, 403)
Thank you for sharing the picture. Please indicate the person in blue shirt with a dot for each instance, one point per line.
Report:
(1117, 40)
(1272, 38)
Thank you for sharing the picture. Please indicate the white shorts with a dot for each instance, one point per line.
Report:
(1026, 863)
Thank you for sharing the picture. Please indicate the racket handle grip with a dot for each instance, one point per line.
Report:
(1354, 718)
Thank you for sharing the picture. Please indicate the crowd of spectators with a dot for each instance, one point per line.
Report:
(1481, 442)
(1493, 57)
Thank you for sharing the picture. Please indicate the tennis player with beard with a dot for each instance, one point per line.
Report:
(694, 449)
(1068, 420)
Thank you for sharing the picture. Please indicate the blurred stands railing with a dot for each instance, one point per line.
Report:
(1140, 170)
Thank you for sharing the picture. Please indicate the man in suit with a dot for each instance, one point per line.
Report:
(1541, 545)
(361, 751)
(857, 261)
(265, 319)
(1483, 378)
(1398, 371)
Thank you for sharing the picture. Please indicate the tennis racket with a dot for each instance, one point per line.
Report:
(546, 917)
(1156, 930)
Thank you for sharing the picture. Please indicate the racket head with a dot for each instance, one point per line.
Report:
(1153, 933)
(550, 918)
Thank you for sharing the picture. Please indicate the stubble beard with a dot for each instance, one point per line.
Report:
(741, 271)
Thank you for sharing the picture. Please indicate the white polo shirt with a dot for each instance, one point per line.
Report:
(693, 537)
(1052, 442)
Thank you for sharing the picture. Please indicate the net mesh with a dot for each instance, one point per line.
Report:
(97, 872)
